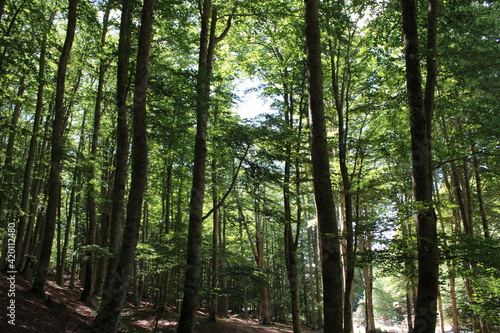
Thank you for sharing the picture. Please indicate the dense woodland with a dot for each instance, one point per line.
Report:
(367, 196)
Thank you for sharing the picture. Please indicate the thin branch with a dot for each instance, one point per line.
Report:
(233, 182)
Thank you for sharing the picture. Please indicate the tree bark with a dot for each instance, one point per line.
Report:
(7, 172)
(25, 194)
(325, 206)
(258, 253)
(122, 144)
(208, 41)
(291, 242)
(215, 245)
(192, 275)
(479, 190)
(91, 191)
(116, 290)
(421, 110)
(54, 182)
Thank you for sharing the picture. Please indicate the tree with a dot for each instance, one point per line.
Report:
(56, 156)
(116, 290)
(325, 206)
(208, 41)
(421, 109)
(91, 195)
(122, 144)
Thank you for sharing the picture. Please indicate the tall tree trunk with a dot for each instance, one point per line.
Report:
(208, 41)
(479, 190)
(54, 183)
(192, 275)
(223, 302)
(291, 242)
(115, 292)
(91, 191)
(365, 245)
(25, 194)
(7, 172)
(215, 245)
(421, 110)
(67, 232)
(122, 144)
(258, 253)
(30, 239)
(312, 263)
(325, 206)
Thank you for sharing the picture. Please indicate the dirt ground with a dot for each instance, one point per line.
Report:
(64, 313)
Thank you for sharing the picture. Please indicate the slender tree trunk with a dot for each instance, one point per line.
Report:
(25, 195)
(258, 253)
(7, 172)
(421, 110)
(56, 156)
(31, 238)
(116, 290)
(479, 189)
(192, 277)
(325, 206)
(342, 107)
(208, 41)
(86, 295)
(449, 264)
(67, 232)
(365, 245)
(223, 303)
(312, 263)
(168, 199)
(122, 144)
(215, 245)
(291, 242)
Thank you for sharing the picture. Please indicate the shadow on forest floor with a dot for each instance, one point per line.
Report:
(64, 313)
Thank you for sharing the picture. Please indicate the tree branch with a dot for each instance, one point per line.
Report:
(233, 182)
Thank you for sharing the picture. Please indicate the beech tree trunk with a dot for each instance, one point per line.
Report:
(325, 206)
(192, 276)
(5, 181)
(215, 245)
(258, 253)
(479, 189)
(421, 110)
(54, 182)
(291, 242)
(91, 191)
(115, 292)
(208, 41)
(122, 147)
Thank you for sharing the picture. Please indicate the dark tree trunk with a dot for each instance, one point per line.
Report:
(325, 206)
(116, 290)
(208, 41)
(22, 229)
(54, 182)
(91, 191)
(479, 189)
(192, 276)
(122, 144)
(291, 242)
(215, 245)
(7, 172)
(421, 110)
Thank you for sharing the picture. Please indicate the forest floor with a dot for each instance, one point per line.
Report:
(64, 313)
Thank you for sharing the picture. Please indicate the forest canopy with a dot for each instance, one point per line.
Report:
(365, 196)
